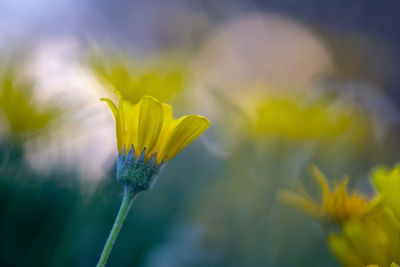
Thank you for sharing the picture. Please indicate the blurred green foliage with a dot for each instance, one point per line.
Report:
(47, 221)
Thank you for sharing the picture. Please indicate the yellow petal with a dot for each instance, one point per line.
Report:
(368, 240)
(119, 121)
(187, 129)
(302, 202)
(150, 121)
(111, 105)
(343, 250)
(120, 129)
(322, 182)
(379, 176)
(164, 133)
(130, 112)
(120, 124)
(388, 184)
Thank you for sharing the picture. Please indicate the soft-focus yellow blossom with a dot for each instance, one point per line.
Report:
(24, 117)
(388, 184)
(296, 117)
(336, 204)
(161, 78)
(373, 239)
(150, 125)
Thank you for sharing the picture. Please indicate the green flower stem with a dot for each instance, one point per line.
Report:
(127, 201)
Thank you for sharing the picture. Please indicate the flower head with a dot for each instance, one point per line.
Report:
(336, 204)
(148, 136)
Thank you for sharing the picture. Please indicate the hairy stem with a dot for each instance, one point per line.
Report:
(119, 220)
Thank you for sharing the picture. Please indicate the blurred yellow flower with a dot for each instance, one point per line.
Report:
(373, 239)
(388, 184)
(23, 115)
(161, 78)
(336, 204)
(299, 118)
(150, 127)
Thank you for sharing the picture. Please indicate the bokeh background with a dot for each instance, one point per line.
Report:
(284, 83)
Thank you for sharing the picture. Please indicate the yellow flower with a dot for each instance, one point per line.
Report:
(336, 204)
(161, 78)
(388, 184)
(372, 239)
(23, 115)
(298, 118)
(149, 127)
(147, 137)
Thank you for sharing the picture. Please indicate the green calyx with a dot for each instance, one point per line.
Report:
(135, 172)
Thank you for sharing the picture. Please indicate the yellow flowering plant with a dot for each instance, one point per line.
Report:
(299, 118)
(373, 238)
(370, 230)
(162, 77)
(337, 204)
(148, 136)
(22, 114)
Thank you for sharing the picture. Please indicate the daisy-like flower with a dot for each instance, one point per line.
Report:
(336, 204)
(373, 238)
(147, 137)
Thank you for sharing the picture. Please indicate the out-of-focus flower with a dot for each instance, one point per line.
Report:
(23, 115)
(298, 118)
(336, 204)
(147, 132)
(373, 239)
(388, 184)
(254, 54)
(161, 78)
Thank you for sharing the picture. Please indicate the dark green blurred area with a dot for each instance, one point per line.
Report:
(48, 223)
